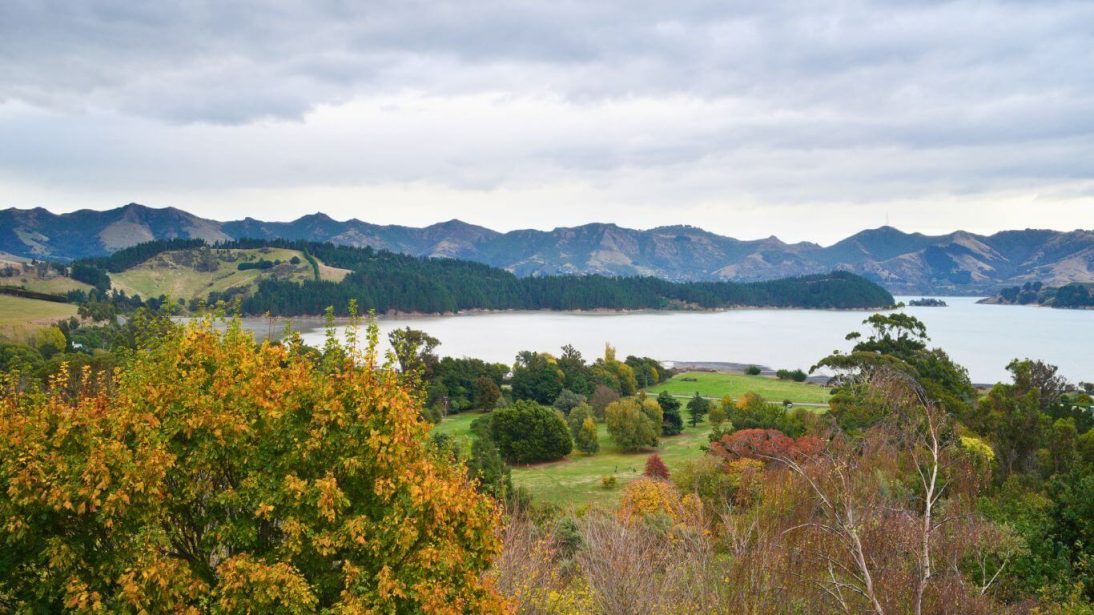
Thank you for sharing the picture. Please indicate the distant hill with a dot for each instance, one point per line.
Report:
(957, 263)
(290, 278)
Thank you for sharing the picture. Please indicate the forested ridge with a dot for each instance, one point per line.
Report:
(385, 281)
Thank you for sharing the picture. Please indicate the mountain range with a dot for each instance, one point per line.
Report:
(956, 263)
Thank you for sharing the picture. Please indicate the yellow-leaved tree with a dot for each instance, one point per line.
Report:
(214, 474)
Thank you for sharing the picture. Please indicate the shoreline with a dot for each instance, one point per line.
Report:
(398, 315)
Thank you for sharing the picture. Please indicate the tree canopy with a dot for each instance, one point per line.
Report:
(216, 473)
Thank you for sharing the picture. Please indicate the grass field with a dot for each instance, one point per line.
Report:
(19, 317)
(168, 274)
(575, 481)
(56, 285)
(710, 384)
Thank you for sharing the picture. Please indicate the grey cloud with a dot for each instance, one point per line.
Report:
(784, 102)
(282, 59)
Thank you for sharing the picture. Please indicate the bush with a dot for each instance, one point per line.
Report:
(752, 370)
(50, 341)
(656, 468)
(717, 415)
(796, 375)
(646, 498)
(527, 432)
(260, 264)
(586, 437)
(753, 412)
(633, 425)
(608, 481)
(765, 444)
(583, 428)
(577, 417)
(706, 477)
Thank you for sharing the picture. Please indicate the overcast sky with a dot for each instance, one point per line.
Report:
(808, 120)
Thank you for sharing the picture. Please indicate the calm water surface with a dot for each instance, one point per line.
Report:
(983, 338)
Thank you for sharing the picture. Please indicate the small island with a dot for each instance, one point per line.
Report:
(927, 302)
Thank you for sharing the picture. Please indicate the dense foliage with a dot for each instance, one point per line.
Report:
(537, 377)
(260, 264)
(134, 255)
(896, 341)
(672, 423)
(464, 384)
(217, 474)
(1074, 295)
(698, 407)
(386, 281)
(527, 432)
(634, 423)
(90, 274)
(583, 427)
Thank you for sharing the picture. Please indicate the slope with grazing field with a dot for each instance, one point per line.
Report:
(720, 384)
(19, 317)
(52, 284)
(193, 274)
(576, 480)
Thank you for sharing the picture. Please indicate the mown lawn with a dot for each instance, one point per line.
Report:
(576, 480)
(717, 385)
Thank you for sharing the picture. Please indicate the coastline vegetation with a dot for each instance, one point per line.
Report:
(191, 271)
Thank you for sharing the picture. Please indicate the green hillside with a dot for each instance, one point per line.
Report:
(194, 273)
(325, 275)
(52, 284)
(20, 316)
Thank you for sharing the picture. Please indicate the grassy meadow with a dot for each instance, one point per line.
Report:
(53, 285)
(575, 480)
(720, 384)
(169, 274)
(19, 317)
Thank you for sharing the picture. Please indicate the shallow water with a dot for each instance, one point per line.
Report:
(983, 338)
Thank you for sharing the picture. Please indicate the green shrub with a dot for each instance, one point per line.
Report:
(586, 437)
(633, 424)
(527, 432)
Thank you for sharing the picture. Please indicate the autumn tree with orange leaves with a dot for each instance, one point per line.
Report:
(765, 445)
(211, 473)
